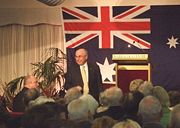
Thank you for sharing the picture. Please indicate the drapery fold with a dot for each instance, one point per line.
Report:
(22, 45)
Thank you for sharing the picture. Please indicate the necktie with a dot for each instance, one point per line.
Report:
(84, 77)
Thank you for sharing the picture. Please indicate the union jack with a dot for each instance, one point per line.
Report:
(82, 24)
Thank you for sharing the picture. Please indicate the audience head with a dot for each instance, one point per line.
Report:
(55, 123)
(102, 99)
(150, 109)
(127, 124)
(175, 117)
(174, 97)
(112, 96)
(134, 84)
(39, 115)
(103, 122)
(92, 103)
(78, 110)
(146, 88)
(71, 94)
(161, 94)
(30, 81)
(81, 56)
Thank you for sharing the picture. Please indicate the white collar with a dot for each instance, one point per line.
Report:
(84, 65)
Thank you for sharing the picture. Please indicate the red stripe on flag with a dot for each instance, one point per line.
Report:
(129, 12)
(138, 41)
(81, 40)
(98, 26)
(105, 27)
(74, 13)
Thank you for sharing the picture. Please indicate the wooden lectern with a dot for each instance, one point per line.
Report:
(130, 67)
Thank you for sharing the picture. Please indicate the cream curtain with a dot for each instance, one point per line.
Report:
(22, 45)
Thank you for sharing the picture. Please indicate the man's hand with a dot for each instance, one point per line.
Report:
(79, 88)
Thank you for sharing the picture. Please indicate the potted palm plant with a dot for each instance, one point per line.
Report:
(50, 73)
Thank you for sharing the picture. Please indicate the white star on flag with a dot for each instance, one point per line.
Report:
(107, 70)
(172, 42)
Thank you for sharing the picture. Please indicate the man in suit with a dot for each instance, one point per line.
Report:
(75, 77)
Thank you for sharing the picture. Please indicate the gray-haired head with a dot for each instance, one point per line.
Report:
(127, 124)
(71, 94)
(112, 96)
(160, 93)
(78, 110)
(174, 121)
(91, 101)
(150, 109)
(146, 88)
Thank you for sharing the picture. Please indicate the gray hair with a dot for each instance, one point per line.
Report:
(127, 124)
(150, 108)
(174, 121)
(71, 94)
(78, 109)
(91, 101)
(146, 88)
(111, 96)
(161, 94)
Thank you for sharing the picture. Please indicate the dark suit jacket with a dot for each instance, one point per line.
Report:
(18, 101)
(115, 112)
(73, 78)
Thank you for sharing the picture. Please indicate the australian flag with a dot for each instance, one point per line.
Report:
(107, 30)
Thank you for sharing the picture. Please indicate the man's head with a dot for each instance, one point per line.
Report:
(150, 109)
(81, 56)
(30, 82)
(111, 97)
(127, 124)
(78, 110)
(72, 94)
(174, 121)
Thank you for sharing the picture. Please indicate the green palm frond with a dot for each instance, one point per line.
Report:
(15, 84)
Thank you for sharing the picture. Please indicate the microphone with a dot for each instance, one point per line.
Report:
(142, 50)
(134, 42)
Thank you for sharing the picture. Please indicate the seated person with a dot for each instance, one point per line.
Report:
(111, 103)
(174, 121)
(134, 84)
(146, 88)
(127, 124)
(72, 94)
(79, 112)
(91, 102)
(150, 111)
(6, 119)
(103, 122)
(162, 95)
(131, 104)
(174, 97)
(30, 82)
(40, 116)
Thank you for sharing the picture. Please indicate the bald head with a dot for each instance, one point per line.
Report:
(30, 82)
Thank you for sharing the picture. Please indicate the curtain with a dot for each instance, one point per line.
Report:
(22, 45)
